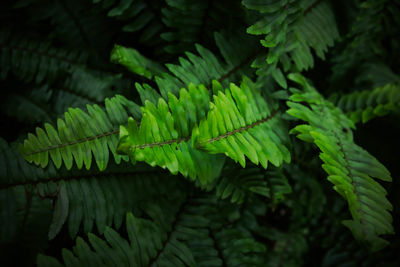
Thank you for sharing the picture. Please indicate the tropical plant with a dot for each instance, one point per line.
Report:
(199, 133)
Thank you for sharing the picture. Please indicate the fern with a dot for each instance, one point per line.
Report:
(80, 134)
(40, 60)
(365, 105)
(240, 124)
(163, 136)
(350, 167)
(292, 28)
(186, 133)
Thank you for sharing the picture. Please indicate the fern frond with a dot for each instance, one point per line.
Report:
(79, 135)
(145, 239)
(205, 67)
(100, 198)
(181, 232)
(163, 135)
(140, 16)
(81, 87)
(33, 61)
(363, 106)
(292, 28)
(190, 22)
(351, 169)
(240, 184)
(241, 123)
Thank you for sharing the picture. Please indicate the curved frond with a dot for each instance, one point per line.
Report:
(240, 123)
(350, 168)
(80, 134)
(163, 135)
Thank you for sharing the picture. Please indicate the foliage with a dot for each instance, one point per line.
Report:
(183, 133)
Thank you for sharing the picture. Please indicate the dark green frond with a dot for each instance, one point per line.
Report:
(191, 22)
(138, 16)
(292, 28)
(351, 168)
(33, 61)
(366, 105)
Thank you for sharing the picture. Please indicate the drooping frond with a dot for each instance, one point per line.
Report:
(80, 134)
(368, 104)
(33, 61)
(241, 123)
(351, 168)
(292, 28)
(163, 135)
(135, 62)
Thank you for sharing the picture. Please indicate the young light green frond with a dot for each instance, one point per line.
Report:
(80, 134)
(350, 168)
(368, 104)
(241, 123)
(135, 62)
(163, 136)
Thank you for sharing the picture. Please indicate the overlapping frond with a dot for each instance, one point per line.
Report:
(80, 134)
(163, 135)
(82, 199)
(292, 28)
(240, 123)
(362, 106)
(351, 168)
(178, 232)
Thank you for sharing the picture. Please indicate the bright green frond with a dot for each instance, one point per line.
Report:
(241, 123)
(80, 134)
(350, 168)
(163, 136)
